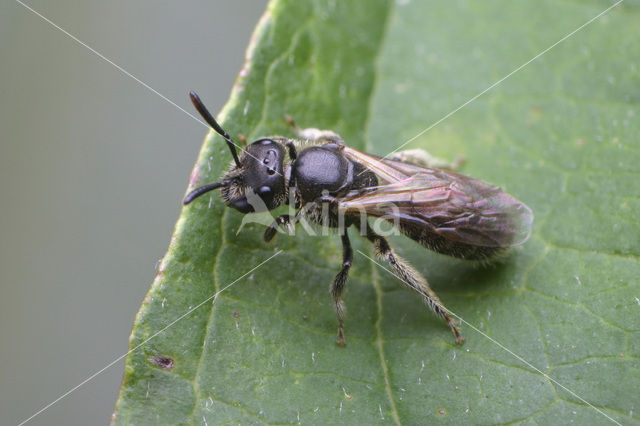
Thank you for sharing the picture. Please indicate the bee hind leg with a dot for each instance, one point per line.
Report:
(338, 285)
(413, 280)
(420, 157)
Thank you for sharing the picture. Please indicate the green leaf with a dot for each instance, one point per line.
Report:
(561, 134)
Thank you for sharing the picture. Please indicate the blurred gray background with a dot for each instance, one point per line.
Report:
(93, 167)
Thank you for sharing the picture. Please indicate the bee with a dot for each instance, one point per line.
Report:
(336, 186)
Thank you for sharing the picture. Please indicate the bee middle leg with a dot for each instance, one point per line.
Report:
(338, 285)
(412, 279)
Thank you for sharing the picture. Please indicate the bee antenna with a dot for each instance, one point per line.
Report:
(204, 112)
(202, 190)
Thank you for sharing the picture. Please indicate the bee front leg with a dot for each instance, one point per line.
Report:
(338, 285)
(413, 279)
(270, 232)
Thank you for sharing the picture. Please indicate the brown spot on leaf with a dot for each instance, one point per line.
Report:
(442, 412)
(164, 362)
(535, 114)
(236, 314)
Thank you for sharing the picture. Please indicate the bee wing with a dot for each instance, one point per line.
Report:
(389, 171)
(454, 206)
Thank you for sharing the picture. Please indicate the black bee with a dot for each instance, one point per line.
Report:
(337, 186)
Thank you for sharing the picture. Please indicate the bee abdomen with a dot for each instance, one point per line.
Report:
(440, 244)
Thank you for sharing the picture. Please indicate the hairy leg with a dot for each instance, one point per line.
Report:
(420, 157)
(412, 279)
(338, 285)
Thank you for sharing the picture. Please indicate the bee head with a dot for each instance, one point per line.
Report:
(263, 163)
(256, 179)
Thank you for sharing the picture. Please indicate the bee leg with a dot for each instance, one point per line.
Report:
(338, 285)
(413, 279)
(315, 135)
(270, 232)
(322, 136)
(420, 157)
(293, 154)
